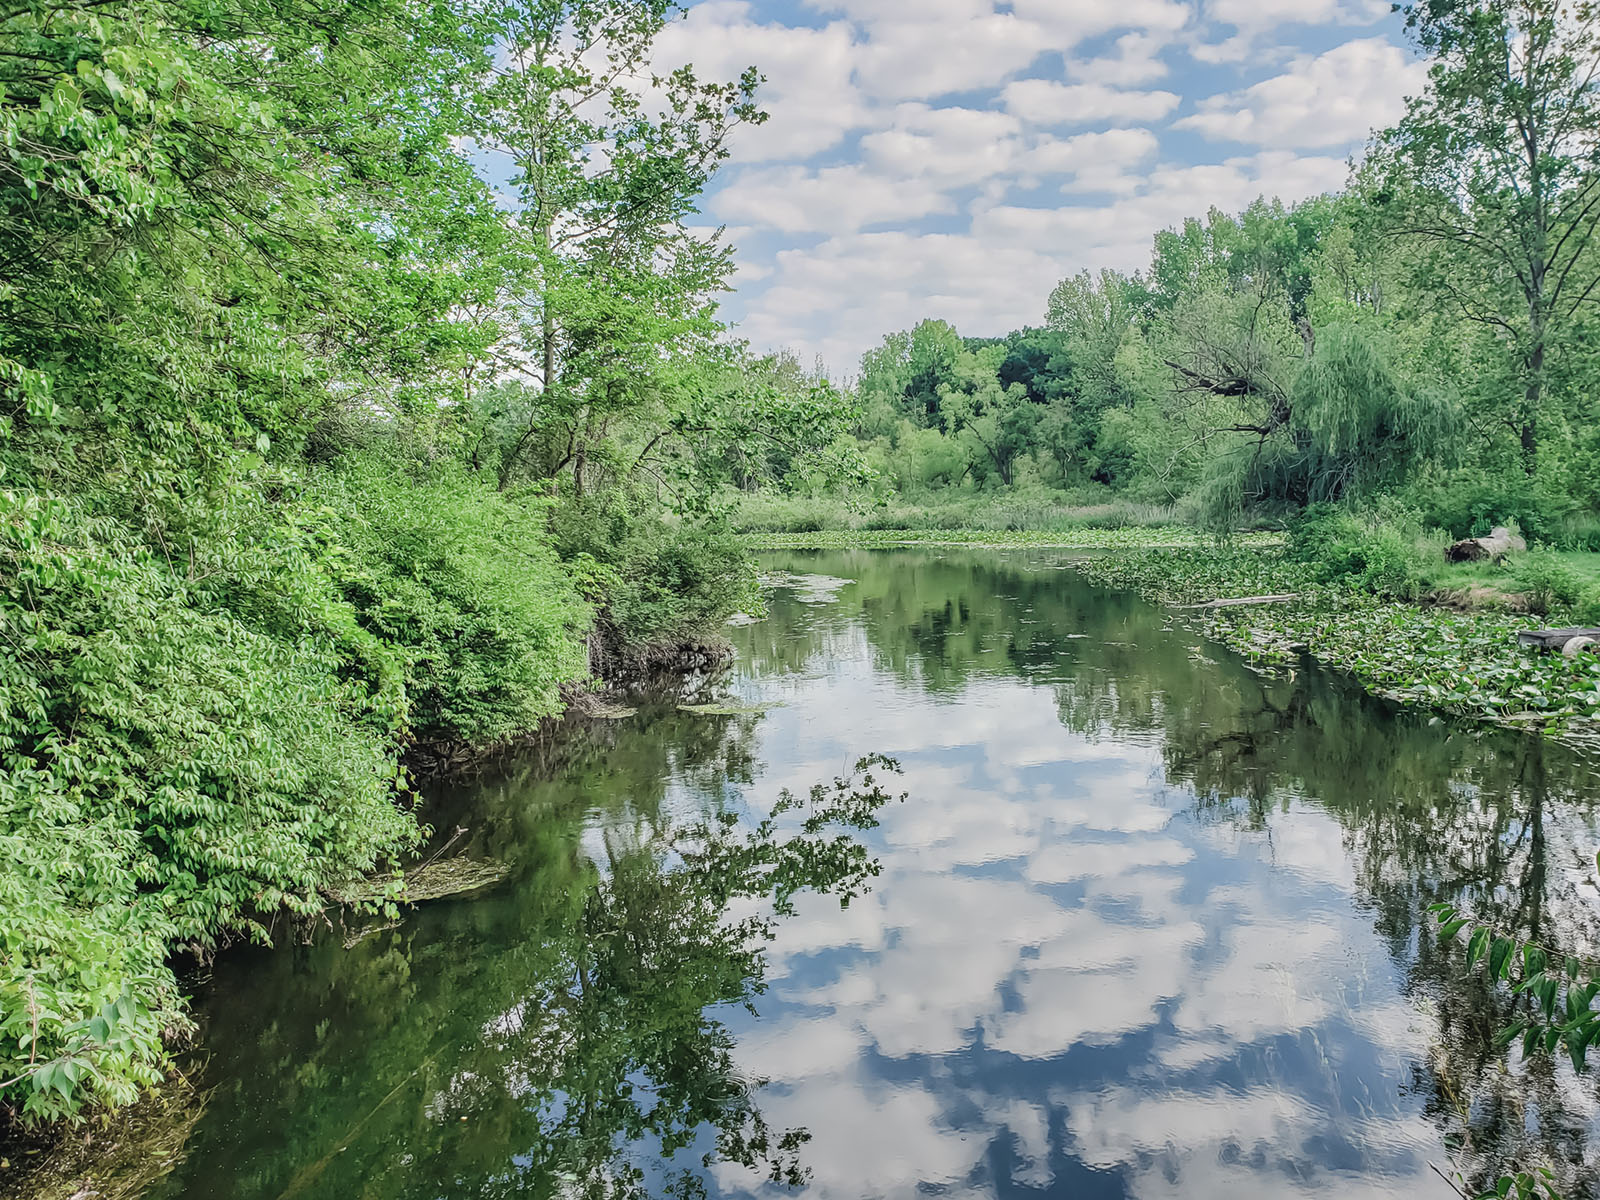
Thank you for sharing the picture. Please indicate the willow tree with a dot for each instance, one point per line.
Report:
(1292, 415)
(1500, 162)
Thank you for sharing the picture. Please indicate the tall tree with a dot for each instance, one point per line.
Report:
(1500, 162)
(611, 285)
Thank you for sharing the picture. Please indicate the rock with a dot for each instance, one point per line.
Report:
(1578, 645)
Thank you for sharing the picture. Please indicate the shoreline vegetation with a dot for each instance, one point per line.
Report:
(320, 458)
(1425, 634)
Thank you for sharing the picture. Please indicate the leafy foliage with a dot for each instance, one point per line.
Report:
(308, 452)
(460, 580)
(1554, 998)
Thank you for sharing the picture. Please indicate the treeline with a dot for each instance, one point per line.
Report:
(1430, 335)
(314, 448)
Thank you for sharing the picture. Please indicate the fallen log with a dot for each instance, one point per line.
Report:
(1499, 543)
(1551, 640)
(1239, 601)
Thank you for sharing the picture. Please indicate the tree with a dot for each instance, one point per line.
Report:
(1498, 163)
(995, 419)
(608, 287)
(906, 372)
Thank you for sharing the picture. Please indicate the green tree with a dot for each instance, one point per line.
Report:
(1498, 164)
(609, 291)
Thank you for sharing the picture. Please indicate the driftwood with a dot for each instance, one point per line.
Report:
(1499, 543)
(1241, 601)
(1569, 641)
(431, 881)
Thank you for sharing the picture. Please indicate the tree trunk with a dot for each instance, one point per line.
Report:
(1500, 542)
(1530, 403)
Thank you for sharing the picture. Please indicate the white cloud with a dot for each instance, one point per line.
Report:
(829, 200)
(809, 95)
(955, 158)
(1099, 161)
(958, 145)
(1333, 99)
(1135, 62)
(1045, 102)
(840, 296)
(1267, 14)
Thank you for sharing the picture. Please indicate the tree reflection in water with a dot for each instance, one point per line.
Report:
(570, 1045)
(1155, 927)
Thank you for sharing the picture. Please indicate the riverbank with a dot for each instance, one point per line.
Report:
(1454, 651)
(1466, 663)
(126, 1149)
(1165, 537)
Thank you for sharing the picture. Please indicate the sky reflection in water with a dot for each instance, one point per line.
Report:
(1147, 925)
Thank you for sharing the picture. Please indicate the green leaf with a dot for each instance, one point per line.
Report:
(1500, 957)
(1476, 945)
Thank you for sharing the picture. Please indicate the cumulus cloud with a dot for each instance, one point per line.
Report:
(1094, 161)
(1046, 102)
(841, 295)
(1333, 99)
(956, 145)
(1136, 61)
(1267, 14)
(956, 158)
(810, 95)
(828, 200)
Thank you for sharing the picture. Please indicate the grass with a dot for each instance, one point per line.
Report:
(1535, 582)
(1013, 512)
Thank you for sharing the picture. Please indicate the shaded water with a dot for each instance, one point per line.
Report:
(1149, 924)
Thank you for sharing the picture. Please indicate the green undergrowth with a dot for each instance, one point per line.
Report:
(1080, 538)
(1007, 510)
(1464, 663)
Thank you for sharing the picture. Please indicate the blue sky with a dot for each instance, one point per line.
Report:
(955, 158)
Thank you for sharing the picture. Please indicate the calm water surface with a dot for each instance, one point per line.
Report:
(1148, 924)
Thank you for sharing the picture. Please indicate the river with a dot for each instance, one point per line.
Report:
(1148, 923)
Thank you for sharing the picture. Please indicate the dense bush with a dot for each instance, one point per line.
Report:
(1381, 558)
(1471, 504)
(654, 581)
(172, 771)
(1548, 583)
(460, 579)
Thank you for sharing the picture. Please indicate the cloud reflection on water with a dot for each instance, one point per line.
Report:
(1062, 976)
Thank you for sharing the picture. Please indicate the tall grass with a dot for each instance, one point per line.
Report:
(1029, 512)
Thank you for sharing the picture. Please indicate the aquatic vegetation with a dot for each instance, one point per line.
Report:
(1464, 663)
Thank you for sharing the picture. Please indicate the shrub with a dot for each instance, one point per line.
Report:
(461, 579)
(1579, 532)
(1549, 583)
(171, 772)
(655, 581)
(1470, 506)
(1383, 559)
